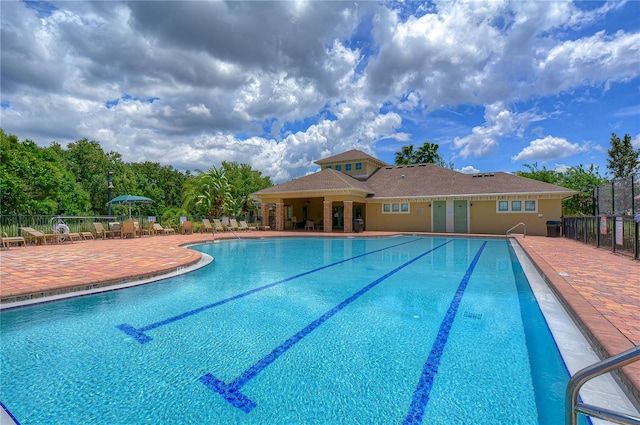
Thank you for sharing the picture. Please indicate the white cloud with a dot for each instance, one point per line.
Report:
(499, 122)
(280, 85)
(548, 149)
(469, 169)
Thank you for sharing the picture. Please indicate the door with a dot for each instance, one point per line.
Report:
(337, 217)
(460, 224)
(439, 211)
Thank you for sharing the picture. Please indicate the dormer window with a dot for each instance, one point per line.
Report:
(358, 165)
(347, 167)
(338, 167)
(328, 166)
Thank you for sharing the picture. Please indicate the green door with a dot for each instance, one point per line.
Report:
(439, 216)
(460, 216)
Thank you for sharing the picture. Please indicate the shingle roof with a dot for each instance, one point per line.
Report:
(325, 180)
(433, 180)
(353, 154)
(419, 180)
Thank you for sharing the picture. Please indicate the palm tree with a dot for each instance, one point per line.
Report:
(425, 154)
(405, 156)
(428, 154)
(210, 192)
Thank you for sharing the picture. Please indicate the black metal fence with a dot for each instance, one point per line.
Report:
(616, 222)
(10, 224)
(618, 234)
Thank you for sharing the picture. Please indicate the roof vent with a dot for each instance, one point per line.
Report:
(402, 177)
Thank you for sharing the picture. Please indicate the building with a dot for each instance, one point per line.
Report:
(409, 198)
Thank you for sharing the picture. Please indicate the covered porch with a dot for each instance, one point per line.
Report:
(318, 213)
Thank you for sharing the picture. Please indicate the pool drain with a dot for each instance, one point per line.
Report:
(472, 315)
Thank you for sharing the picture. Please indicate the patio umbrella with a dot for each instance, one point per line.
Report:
(129, 200)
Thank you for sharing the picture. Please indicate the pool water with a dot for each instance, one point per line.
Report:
(296, 331)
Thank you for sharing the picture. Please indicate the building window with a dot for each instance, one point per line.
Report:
(402, 208)
(358, 165)
(516, 206)
(338, 167)
(328, 166)
(347, 167)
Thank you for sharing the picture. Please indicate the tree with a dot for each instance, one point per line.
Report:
(35, 180)
(90, 164)
(244, 181)
(543, 175)
(577, 178)
(584, 181)
(208, 193)
(163, 184)
(425, 154)
(405, 156)
(428, 154)
(623, 159)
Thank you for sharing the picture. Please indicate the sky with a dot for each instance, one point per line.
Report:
(497, 85)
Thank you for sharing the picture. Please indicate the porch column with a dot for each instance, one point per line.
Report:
(327, 219)
(280, 216)
(348, 216)
(264, 213)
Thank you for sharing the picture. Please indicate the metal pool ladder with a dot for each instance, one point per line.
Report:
(524, 230)
(573, 407)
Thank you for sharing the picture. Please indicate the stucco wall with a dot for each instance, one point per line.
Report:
(417, 220)
(483, 218)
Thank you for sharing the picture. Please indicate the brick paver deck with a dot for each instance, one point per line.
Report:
(601, 290)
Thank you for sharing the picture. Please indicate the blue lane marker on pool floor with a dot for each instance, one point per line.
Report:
(231, 391)
(139, 333)
(421, 394)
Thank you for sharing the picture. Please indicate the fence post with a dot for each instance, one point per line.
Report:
(636, 240)
(613, 216)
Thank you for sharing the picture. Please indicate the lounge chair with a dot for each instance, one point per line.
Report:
(233, 225)
(219, 226)
(309, 225)
(149, 231)
(128, 229)
(115, 228)
(8, 240)
(206, 226)
(36, 236)
(244, 226)
(101, 232)
(187, 227)
(86, 235)
(157, 228)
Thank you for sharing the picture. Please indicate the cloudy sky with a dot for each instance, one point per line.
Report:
(279, 85)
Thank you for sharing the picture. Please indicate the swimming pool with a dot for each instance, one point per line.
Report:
(329, 331)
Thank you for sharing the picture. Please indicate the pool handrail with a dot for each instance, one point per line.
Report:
(524, 230)
(573, 406)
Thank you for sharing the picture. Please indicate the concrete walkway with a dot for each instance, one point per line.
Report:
(600, 290)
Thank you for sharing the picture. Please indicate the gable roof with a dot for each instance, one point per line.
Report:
(326, 180)
(352, 155)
